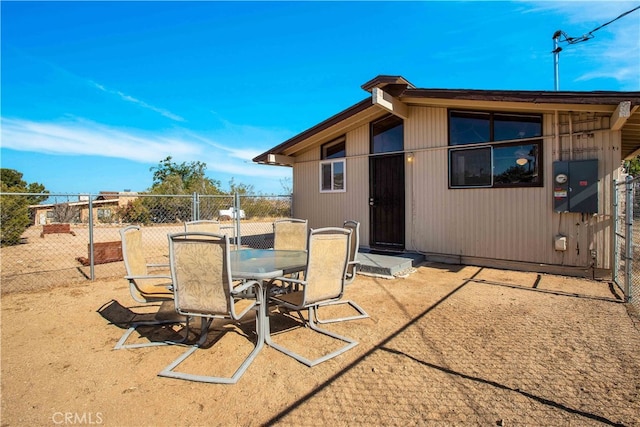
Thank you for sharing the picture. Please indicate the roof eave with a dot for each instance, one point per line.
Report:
(326, 124)
(601, 101)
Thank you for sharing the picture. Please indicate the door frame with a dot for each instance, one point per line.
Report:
(381, 227)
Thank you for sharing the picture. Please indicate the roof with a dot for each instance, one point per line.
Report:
(401, 88)
(108, 195)
(536, 97)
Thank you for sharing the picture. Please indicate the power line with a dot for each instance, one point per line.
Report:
(573, 40)
(589, 35)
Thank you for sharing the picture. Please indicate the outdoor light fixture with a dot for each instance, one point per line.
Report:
(409, 157)
(522, 161)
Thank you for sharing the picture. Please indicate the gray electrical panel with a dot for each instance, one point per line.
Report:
(575, 186)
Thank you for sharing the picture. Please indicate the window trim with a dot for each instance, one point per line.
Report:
(331, 162)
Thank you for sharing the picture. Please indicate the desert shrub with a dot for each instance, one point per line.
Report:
(14, 218)
(134, 213)
(14, 209)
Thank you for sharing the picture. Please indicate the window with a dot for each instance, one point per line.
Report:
(387, 134)
(333, 165)
(479, 159)
(470, 168)
(334, 149)
(104, 213)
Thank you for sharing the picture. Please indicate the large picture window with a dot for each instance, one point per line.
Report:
(333, 166)
(479, 159)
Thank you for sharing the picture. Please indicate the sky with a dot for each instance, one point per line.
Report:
(96, 94)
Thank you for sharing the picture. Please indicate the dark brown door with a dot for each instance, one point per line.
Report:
(386, 202)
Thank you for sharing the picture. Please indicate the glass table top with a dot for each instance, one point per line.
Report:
(262, 264)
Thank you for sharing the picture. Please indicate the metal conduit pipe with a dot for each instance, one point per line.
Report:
(570, 136)
(557, 135)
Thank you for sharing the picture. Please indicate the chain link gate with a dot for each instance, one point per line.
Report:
(626, 238)
(75, 237)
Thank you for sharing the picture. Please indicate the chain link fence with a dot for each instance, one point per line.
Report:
(73, 238)
(626, 220)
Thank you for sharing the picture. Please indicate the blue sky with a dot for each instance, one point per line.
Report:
(94, 94)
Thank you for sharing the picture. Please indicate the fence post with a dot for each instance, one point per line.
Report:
(236, 203)
(195, 207)
(629, 235)
(92, 272)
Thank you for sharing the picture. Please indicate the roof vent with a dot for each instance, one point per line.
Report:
(393, 85)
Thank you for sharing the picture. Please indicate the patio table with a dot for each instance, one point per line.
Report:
(263, 265)
(266, 264)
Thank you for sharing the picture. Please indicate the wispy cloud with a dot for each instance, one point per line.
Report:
(83, 137)
(72, 78)
(129, 98)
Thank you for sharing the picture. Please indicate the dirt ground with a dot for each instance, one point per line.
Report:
(446, 345)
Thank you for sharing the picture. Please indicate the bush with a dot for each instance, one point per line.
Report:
(14, 218)
(134, 213)
(14, 210)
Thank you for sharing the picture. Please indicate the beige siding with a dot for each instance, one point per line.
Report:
(517, 224)
(332, 209)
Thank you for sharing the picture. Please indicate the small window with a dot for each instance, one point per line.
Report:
(508, 126)
(334, 149)
(332, 176)
(516, 165)
(387, 135)
(470, 167)
(104, 213)
(332, 168)
(469, 128)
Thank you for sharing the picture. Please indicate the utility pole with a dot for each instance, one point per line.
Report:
(556, 59)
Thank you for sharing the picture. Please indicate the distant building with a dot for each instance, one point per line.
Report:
(104, 207)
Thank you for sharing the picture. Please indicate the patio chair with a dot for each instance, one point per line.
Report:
(203, 287)
(210, 226)
(146, 288)
(289, 234)
(324, 281)
(350, 275)
(204, 225)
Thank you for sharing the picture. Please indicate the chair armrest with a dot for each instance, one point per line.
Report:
(147, 277)
(158, 265)
(288, 280)
(246, 285)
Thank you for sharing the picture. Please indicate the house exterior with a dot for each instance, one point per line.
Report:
(104, 208)
(511, 179)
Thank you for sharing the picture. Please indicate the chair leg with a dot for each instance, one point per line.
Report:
(350, 343)
(361, 313)
(121, 342)
(206, 322)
